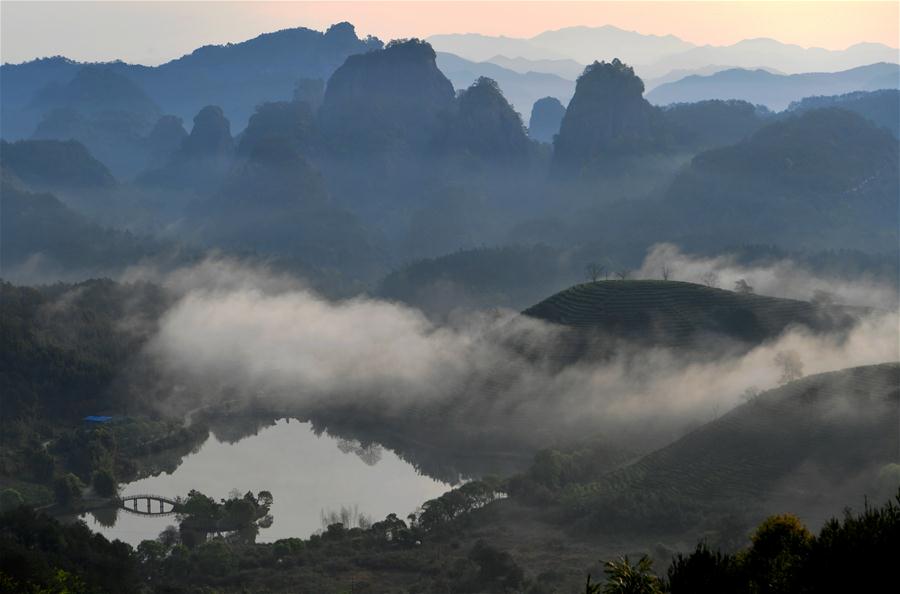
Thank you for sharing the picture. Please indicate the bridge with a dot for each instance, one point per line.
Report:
(148, 505)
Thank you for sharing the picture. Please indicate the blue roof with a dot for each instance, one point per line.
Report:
(97, 419)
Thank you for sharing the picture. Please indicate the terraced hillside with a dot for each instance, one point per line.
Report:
(806, 446)
(675, 314)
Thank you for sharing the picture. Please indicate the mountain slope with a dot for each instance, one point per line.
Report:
(775, 91)
(815, 443)
(824, 175)
(879, 107)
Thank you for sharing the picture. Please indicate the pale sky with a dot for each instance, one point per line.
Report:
(151, 32)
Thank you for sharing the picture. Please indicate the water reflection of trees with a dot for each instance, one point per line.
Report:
(105, 516)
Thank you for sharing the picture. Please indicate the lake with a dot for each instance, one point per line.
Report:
(307, 475)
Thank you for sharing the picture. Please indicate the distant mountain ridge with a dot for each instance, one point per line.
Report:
(775, 91)
(655, 56)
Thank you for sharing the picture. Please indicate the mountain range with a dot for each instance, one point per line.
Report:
(775, 91)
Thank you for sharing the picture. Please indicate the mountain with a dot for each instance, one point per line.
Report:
(579, 44)
(675, 75)
(54, 164)
(273, 202)
(673, 314)
(592, 44)
(772, 54)
(775, 91)
(565, 68)
(879, 107)
(808, 446)
(202, 157)
(546, 117)
(484, 127)
(522, 90)
(385, 99)
(104, 110)
(42, 239)
(818, 178)
(481, 48)
(713, 123)
(236, 76)
(607, 120)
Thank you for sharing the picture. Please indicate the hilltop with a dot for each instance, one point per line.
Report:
(674, 314)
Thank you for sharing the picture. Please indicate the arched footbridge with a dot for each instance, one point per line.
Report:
(149, 505)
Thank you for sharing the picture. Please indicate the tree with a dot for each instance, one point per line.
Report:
(781, 545)
(710, 279)
(67, 489)
(622, 274)
(593, 271)
(791, 366)
(624, 578)
(742, 286)
(9, 499)
(666, 272)
(104, 483)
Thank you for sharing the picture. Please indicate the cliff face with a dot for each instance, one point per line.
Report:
(607, 119)
(211, 135)
(546, 118)
(385, 99)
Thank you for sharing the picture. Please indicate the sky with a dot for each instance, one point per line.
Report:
(152, 32)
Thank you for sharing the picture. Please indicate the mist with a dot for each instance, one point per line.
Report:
(245, 334)
(782, 278)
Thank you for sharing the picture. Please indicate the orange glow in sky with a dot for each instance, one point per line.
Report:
(832, 25)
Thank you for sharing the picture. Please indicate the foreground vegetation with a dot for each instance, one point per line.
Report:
(428, 554)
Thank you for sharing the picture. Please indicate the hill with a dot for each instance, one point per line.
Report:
(674, 314)
(775, 91)
(54, 163)
(882, 108)
(41, 239)
(806, 446)
(817, 179)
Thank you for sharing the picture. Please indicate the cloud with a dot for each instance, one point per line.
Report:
(243, 333)
(783, 278)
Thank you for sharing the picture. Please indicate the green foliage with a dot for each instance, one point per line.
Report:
(67, 489)
(624, 578)
(38, 554)
(104, 482)
(10, 499)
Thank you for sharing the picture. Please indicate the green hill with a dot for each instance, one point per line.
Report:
(675, 314)
(804, 447)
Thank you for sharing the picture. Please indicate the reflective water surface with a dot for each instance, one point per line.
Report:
(307, 474)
